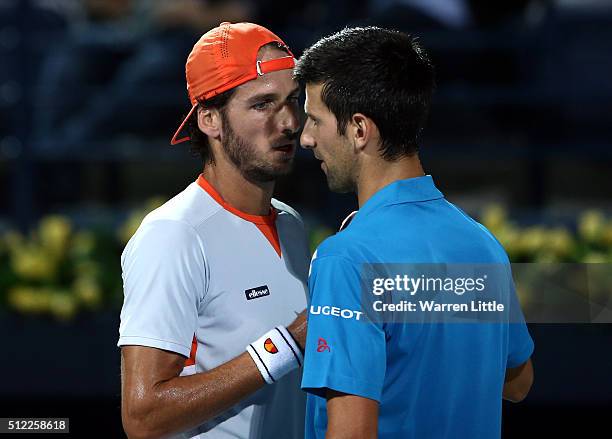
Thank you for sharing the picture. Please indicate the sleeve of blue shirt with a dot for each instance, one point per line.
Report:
(520, 343)
(344, 351)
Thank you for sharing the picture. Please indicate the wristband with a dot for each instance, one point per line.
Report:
(275, 354)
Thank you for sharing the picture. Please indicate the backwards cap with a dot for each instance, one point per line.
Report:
(224, 58)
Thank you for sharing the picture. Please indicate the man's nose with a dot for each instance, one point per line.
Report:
(289, 119)
(306, 140)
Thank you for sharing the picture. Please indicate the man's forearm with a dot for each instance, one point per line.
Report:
(180, 403)
(157, 402)
(350, 416)
(518, 382)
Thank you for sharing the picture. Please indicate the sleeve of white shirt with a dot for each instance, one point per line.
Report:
(164, 280)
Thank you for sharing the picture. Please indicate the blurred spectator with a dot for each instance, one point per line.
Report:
(199, 15)
(583, 4)
(421, 14)
(302, 22)
(488, 14)
(120, 70)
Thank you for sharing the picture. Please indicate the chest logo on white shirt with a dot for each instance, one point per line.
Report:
(257, 292)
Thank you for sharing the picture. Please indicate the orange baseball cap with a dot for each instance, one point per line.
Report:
(224, 58)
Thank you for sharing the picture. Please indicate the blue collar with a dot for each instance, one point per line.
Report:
(411, 190)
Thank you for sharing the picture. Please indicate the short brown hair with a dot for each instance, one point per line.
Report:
(199, 141)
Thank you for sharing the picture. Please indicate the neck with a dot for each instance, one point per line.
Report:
(376, 174)
(242, 194)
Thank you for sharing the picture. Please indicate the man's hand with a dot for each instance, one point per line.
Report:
(297, 329)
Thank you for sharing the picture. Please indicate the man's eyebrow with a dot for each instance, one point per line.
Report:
(262, 97)
(310, 116)
(270, 96)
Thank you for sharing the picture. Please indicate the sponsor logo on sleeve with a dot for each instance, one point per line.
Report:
(257, 292)
(322, 345)
(334, 311)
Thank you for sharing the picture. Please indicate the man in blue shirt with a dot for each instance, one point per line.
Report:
(368, 92)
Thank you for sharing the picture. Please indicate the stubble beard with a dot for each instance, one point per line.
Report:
(340, 184)
(243, 154)
(342, 176)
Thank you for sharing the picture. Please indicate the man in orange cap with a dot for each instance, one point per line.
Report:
(222, 266)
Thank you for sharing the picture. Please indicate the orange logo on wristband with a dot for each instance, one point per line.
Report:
(269, 346)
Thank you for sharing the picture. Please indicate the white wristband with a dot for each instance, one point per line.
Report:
(275, 354)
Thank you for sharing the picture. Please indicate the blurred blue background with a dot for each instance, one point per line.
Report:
(92, 90)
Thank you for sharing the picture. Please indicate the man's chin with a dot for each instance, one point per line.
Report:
(268, 174)
(283, 168)
(339, 190)
(337, 186)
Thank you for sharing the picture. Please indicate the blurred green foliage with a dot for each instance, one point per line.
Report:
(60, 271)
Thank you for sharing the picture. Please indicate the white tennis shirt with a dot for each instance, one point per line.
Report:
(203, 279)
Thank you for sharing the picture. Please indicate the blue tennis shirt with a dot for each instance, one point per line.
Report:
(432, 380)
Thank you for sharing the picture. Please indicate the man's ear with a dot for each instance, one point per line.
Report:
(361, 130)
(209, 122)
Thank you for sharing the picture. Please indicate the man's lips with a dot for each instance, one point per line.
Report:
(289, 147)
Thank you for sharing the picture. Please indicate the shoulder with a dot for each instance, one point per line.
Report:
(165, 230)
(162, 239)
(191, 206)
(172, 229)
(176, 220)
(488, 239)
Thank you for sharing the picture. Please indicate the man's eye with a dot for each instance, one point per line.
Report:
(262, 105)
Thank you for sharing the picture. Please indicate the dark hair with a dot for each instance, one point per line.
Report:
(199, 141)
(381, 73)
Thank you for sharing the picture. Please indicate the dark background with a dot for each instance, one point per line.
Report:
(92, 91)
